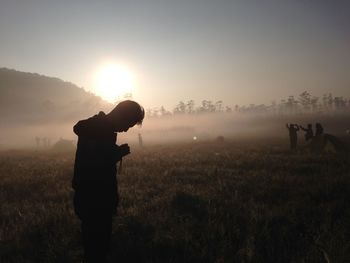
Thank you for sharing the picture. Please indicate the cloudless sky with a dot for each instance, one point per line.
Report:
(241, 52)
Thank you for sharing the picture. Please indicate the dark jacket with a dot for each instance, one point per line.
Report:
(95, 181)
(308, 133)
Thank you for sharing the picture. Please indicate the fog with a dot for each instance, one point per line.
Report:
(38, 111)
(177, 129)
(232, 126)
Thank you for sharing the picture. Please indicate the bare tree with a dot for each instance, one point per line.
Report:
(164, 112)
(180, 108)
(218, 106)
(190, 106)
(305, 101)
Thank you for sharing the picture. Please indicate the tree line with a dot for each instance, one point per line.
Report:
(304, 103)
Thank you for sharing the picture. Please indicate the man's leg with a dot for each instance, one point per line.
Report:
(96, 234)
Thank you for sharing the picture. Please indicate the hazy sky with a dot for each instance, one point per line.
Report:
(241, 52)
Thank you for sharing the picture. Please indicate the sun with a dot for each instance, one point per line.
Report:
(114, 82)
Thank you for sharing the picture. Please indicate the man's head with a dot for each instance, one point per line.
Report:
(126, 115)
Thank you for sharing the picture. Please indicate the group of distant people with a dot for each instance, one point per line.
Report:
(309, 134)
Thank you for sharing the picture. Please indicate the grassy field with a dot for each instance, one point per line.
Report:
(236, 201)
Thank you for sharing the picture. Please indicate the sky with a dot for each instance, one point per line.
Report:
(241, 52)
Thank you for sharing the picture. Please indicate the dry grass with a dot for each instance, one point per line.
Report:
(202, 202)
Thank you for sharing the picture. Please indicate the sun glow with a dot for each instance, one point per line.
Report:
(114, 82)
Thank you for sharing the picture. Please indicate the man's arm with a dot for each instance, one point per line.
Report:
(120, 152)
(302, 128)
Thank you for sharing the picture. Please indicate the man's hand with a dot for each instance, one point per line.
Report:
(124, 149)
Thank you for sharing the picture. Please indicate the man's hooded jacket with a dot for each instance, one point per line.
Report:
(95, 181)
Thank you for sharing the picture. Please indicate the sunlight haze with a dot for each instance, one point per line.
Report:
(240, 52)
(174, 131)
(114, 82)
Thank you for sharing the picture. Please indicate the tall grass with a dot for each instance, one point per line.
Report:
(236, 201)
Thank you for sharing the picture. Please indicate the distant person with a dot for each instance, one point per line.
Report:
(293, 136)
(319, 129)
(95, 182)
(309, 133)
(140, 140)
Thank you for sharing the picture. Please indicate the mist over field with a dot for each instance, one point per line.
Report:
(244, 150)
(207, 183)
(34, 106)
(197, 187)
(205, 201)
(181, 128)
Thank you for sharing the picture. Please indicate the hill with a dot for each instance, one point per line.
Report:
(30, 98)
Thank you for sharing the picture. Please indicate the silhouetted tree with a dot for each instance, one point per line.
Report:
(314, 103)
(180, 108)
(305, 101)
(282, 107)
(190, 106)
(164, 112)
(218, 106)
(291, 105)
(339, 103)
(207, 106)
(330, 101)
(325, 101)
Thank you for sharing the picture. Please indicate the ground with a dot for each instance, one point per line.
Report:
(231, 201)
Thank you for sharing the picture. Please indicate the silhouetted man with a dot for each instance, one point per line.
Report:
(308, 132)
(319, 129)
(95, 181)
(293, 136)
